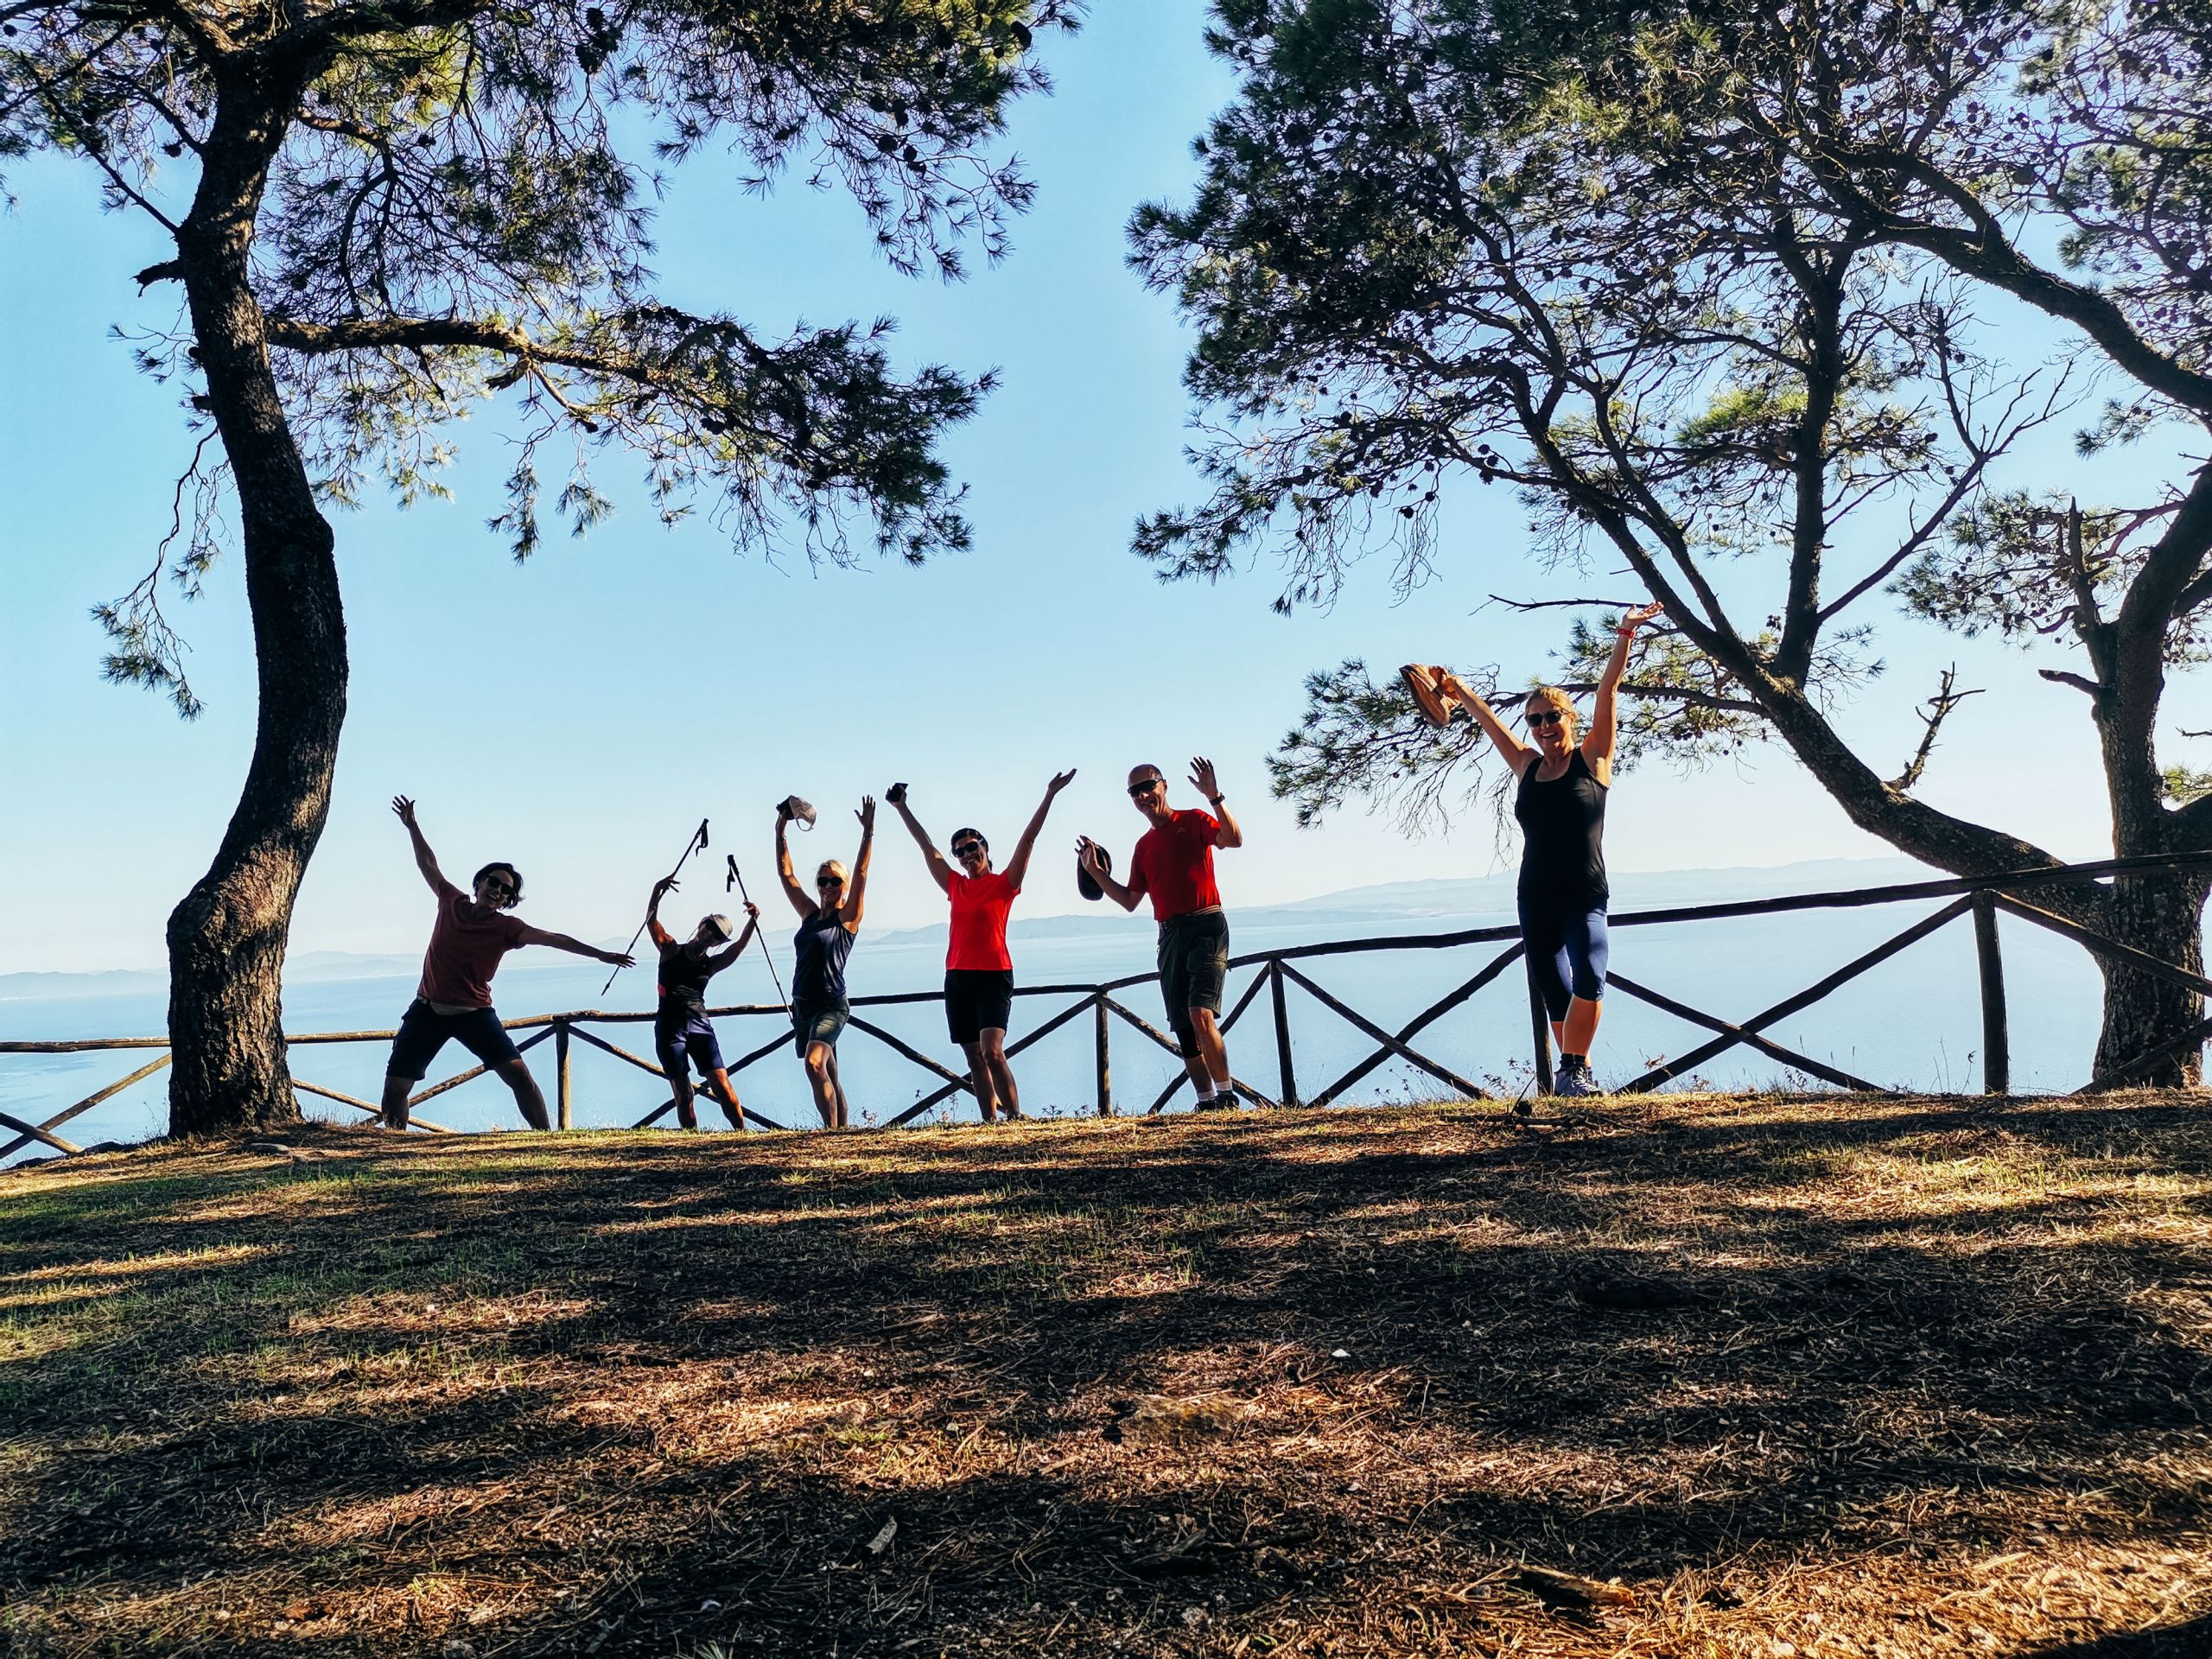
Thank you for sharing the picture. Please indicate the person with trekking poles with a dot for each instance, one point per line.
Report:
(1174, 864)
(683, 1035)
(1560, 804)
(828, 924)
(978, 970)
(454, 997)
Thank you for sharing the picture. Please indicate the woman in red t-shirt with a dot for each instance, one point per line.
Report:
(978, 972)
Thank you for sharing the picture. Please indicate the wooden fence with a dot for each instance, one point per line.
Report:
(1980, 899)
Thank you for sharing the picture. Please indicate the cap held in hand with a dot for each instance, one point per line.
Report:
(1084, 884)
(791, 807)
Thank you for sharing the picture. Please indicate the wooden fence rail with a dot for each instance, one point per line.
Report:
(1979, 898)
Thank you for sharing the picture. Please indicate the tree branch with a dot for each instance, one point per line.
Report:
(1681, 694)
(2067, 677)
(1939, 709)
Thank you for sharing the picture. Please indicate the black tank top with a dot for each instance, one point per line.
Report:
(1563, 857)
(822, 945)
(684, 975)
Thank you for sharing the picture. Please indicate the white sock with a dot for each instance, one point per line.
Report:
(1206, 1091)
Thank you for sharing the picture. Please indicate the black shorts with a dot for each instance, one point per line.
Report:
(1193, 966)
(423, 1032)
(818, 1022)
(681, 1034)
(977, 999)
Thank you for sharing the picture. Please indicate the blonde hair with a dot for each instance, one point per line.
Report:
(1552, 696)
(836, 864)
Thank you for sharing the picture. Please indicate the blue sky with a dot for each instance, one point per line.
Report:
(578, 714)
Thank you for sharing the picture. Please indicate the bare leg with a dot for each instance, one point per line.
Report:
(994, 1047)
(516, 1075)
(1580, 1029)
(838, 1085)
(979, 1072)
(396, 1091)
(679, 1083)
(718, 1086)
(822, 1078)
(1213, 1053)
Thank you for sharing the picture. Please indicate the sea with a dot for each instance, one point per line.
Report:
(1914, 1022)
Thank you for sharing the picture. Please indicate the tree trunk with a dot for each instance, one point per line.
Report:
(227, 939)
(2163, 915)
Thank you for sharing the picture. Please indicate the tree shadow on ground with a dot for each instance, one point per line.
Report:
(1163, 1386)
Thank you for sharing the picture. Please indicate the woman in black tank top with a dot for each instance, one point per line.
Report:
(828, 921)
(1560, 805)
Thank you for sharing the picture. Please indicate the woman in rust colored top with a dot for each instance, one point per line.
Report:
(454, 999)
(978, 970)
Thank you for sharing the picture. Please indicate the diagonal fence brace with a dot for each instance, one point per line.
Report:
(1805, 999)
(1396, 1045)
(1765, 1045)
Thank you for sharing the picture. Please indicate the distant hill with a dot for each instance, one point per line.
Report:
(1489, 896)
(1389, 903)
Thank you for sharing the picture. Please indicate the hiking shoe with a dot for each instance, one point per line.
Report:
(1575, 1082)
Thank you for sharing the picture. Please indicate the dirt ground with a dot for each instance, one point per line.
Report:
(1679, 1376)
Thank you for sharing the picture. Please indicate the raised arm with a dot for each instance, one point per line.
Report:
(800, 901)
(730, 952)
(1604, 718)
(575, 947)
(425, 860)
(856, 890)
(1510, 748)
(1203, 780)
(1094, 864)
(1017, 867)
(940, 872)
(661, 936)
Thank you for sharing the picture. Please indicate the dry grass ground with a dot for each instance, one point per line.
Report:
(1753, 1377)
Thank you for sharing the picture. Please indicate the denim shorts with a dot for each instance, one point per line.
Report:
(423, 1032)
(818, 1022)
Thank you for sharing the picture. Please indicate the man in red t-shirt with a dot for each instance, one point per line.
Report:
(978, 970)
(455, 998)
(1173, 863)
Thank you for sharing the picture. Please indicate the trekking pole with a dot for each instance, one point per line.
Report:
(758, 932)
(696, 844)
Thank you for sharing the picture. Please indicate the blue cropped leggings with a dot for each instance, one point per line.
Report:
(1567, 949)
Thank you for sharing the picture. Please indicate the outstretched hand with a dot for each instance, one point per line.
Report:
(1632, 620)
(867, 815)
(1060, 781)
(404, 809)
(616, 959)
(1203, 779)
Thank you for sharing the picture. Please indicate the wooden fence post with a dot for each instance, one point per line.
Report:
(1996, 1049)
(1105, 1062)
(561, 1092)
(1539, 1019)
(1288, 1092)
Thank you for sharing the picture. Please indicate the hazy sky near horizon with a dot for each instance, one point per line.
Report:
(578, 714)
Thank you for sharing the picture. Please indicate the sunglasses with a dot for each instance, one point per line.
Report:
(828, 881)
(1144, 788)
(1545, 717)
(498, 884)
(968, 849)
